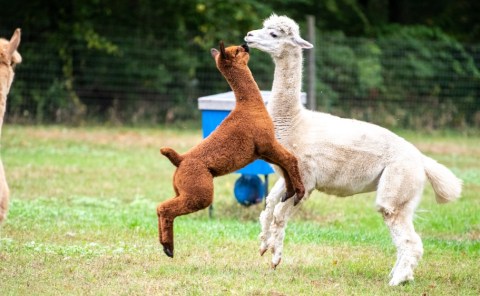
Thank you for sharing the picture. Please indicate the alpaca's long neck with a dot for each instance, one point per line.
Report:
(287, 85)
(6, 79)
(3, 99)
(244, 86)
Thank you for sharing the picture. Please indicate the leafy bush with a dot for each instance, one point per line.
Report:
(409, 77)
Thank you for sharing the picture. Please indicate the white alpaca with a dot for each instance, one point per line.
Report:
(342, 156)
(9, 57)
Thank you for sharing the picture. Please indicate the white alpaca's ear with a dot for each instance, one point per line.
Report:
(214, 52)
(301, 42)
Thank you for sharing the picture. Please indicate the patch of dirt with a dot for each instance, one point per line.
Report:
(448, 148)
(120, 138)
(474, 234)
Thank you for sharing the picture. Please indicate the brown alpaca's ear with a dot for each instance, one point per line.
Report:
(14, 42)
(222, 50)
(214, 53)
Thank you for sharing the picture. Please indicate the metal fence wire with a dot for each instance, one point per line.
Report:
(405, 83)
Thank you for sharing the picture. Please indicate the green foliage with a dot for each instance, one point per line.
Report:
(148, 61)
(351, 68)
(369, 67)
(407, 66)
(440, 71)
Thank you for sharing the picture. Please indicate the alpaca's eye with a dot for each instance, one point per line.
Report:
(273, 35)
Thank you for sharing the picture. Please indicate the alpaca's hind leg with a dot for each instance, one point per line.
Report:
(409, 245)
(195, 193)
(398, 194)
(280, 156)
(266, 216)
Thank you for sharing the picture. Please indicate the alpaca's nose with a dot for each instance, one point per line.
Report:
(250, 34)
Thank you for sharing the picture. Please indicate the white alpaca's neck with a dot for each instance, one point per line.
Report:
(287, 85)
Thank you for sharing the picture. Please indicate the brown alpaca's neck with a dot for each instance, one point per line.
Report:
(243, 85)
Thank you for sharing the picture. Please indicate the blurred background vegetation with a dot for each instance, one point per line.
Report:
(399, 63)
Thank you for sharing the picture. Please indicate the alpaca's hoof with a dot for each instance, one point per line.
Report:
(296, 200)
(404, 281)
(168, 251)
(401, 277)
(262, 251)
(287, 196)
(274, 265)
(299, 195)
(263, 246)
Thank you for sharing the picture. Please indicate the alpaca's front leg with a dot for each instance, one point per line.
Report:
(281, 214)
(281, 157)
(266, 216)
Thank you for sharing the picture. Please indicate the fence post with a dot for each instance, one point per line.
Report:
(311, 66)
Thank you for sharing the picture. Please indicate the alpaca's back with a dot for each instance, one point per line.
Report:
(228, 148)
(353, 153)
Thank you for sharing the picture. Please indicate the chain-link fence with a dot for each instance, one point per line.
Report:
(408, 83)
(400, 82)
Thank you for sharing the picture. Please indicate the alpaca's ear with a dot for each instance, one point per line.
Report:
(14, 42)
(301, 42)
(222, 50)
(214, 52)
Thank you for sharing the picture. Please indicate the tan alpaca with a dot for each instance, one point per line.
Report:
(9, 57)
(244, 135)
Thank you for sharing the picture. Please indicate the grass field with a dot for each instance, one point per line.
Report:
(82, 222)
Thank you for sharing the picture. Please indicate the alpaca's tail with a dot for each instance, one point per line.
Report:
(174, 157)
(446, 185)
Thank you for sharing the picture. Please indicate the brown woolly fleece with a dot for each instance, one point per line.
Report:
(9, 57)
(245, 135)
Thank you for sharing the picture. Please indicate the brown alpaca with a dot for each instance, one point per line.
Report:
(245, 135)
(9, 57)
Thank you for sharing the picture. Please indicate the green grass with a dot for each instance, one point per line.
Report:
(82, 222)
